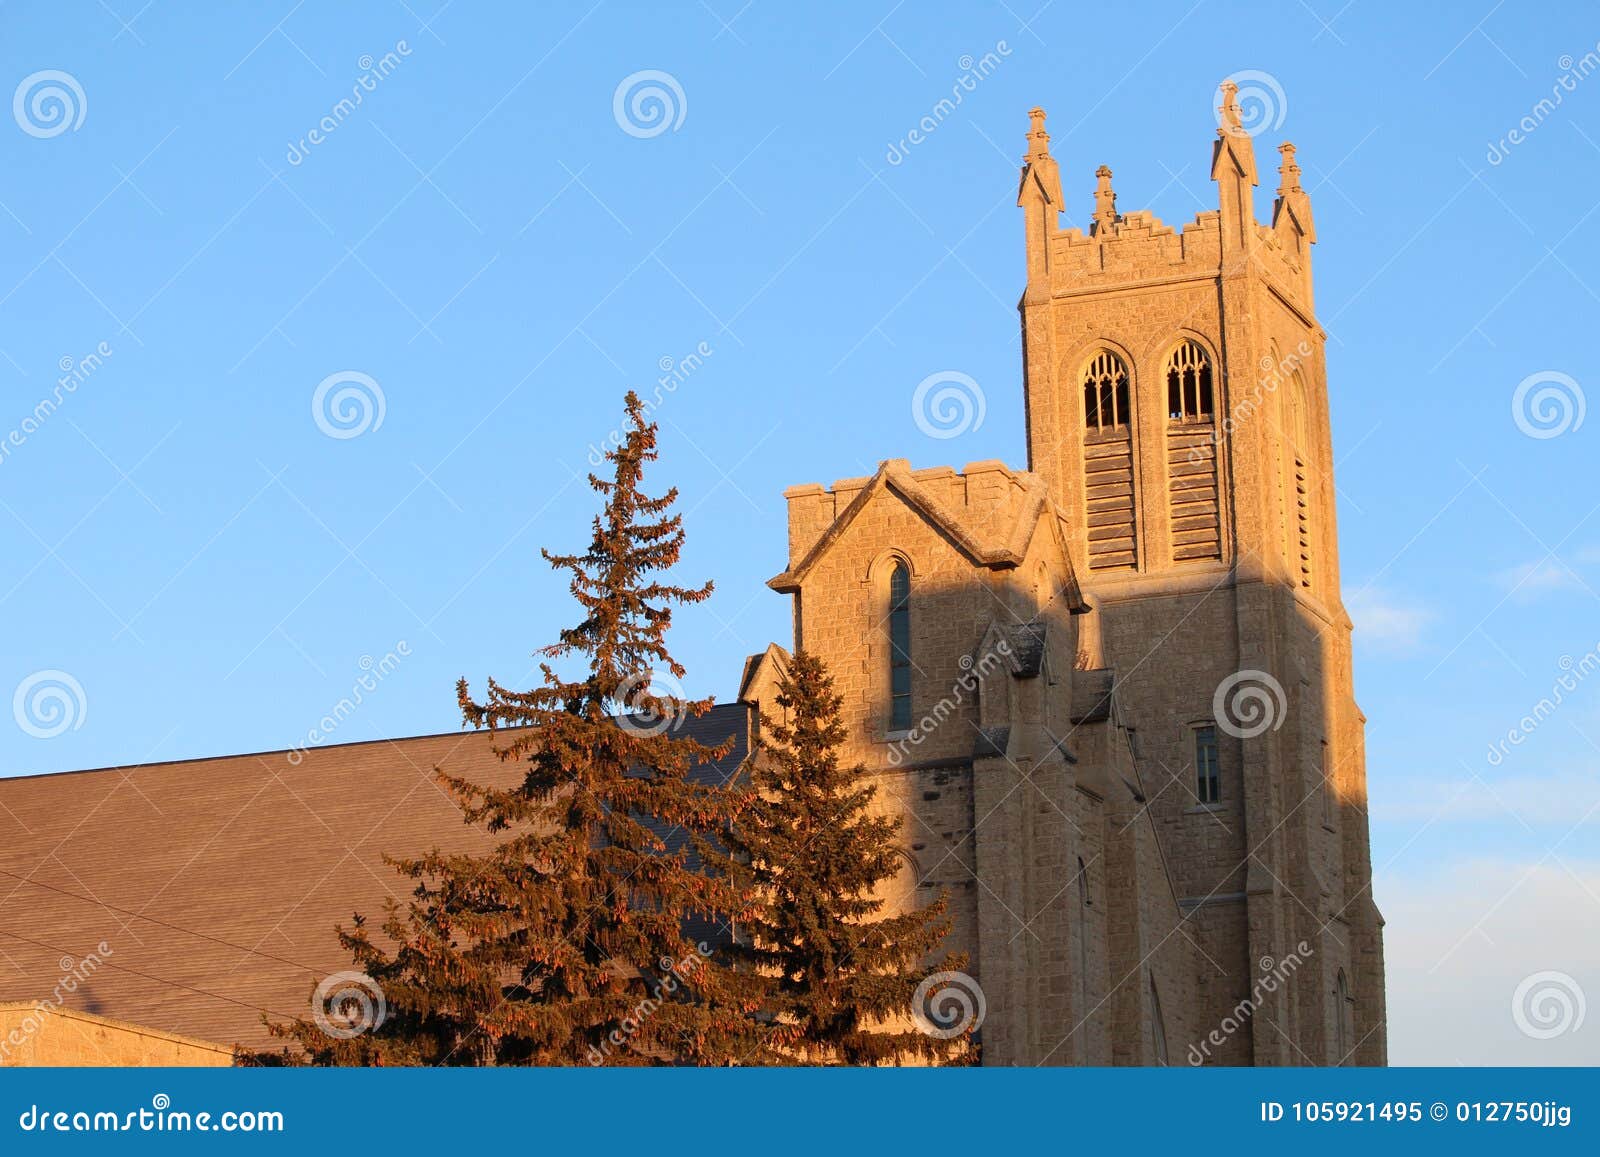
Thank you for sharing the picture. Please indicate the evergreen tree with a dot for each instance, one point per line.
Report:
(566, 943)
(840, 979)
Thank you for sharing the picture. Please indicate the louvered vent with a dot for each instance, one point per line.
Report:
(1302, 514)
(1108, 464)
(1192, 480)
(1298, 431)
(1192, 455)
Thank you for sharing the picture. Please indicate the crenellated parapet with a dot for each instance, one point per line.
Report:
(1126, 249)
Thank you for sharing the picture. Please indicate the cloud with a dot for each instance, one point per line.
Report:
(1491, 961)
(1385, 621)
(1546, 576)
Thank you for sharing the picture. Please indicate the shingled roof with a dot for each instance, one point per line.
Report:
(216, 883)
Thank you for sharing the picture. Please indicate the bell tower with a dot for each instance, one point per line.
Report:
(1177, 409)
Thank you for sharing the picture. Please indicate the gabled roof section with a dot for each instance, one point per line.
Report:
(993, 532)
(768, 668)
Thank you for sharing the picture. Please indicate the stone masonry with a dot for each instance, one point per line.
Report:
(1157, 595)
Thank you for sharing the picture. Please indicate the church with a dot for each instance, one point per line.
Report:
(1110, 694)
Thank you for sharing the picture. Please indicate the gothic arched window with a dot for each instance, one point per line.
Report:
(900, 648)
(1105, 392)
(1189, 392)
(1108, 463)
(1194, 441)
(1297, 402)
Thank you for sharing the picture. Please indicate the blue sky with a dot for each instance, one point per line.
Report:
(482, 240)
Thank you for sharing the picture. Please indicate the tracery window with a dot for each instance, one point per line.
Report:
(1189, 386)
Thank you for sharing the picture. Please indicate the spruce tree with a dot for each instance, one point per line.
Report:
(840, 979)
(566, 943)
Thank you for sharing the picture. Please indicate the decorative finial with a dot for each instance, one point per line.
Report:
(1288, 171)
(1105, 201)
(1038, 139)
(1232, 118)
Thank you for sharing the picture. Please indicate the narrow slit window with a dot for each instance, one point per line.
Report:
(1208, 783)
(900, 648)
(1158, 1027)
(1329, 789)
(1189, 387)
(1341, 996)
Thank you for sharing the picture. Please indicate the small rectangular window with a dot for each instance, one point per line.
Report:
(1208, 784)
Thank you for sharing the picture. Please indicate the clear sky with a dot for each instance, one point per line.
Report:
(487, 244)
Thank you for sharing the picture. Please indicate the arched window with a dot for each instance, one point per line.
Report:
(1189, 393)
(1108, 463)
(1105, 392)
(1193, 439)
(900, 648)
(1297, 394)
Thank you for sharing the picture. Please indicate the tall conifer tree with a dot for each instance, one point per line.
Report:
(566, 943)
(842, 981)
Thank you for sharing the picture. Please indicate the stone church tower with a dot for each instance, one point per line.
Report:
(1112, 694)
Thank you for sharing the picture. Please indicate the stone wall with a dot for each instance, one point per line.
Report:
(32, 1036)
